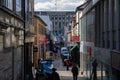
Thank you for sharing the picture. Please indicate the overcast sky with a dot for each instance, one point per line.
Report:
(66, 5)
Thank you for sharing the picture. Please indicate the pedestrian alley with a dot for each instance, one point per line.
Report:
(63, 73)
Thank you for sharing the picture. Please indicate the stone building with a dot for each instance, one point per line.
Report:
(40, 39)
(16, 28)
(11, 39)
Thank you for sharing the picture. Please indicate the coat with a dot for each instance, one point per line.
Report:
(55, 76)
(74, 70)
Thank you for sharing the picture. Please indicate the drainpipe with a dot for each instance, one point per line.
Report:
(24, 48)
(12, 62)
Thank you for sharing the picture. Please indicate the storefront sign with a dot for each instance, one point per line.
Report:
(75, 38)
(46, 39)
(43, 39)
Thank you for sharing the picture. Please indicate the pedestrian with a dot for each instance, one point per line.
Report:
(54, 75)
(94, 70)
(67, 64)
(30, 75)
(74, 71)
(33, 71)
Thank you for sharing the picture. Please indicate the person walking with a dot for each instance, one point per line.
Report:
(54, 75)
(74, 71)
(94, 70)
(67, 64)
(33, 71)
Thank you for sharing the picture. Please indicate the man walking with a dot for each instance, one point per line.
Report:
(94, 70)
(75, 72)
(54, 75)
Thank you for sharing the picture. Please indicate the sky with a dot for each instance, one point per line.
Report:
(61, 5)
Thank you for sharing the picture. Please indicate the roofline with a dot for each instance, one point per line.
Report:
(54, 11)
(40, 19)
(80, 6)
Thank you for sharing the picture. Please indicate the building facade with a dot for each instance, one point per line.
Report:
(100, 38)
(11, 39)
(40, 39)
(49, 33)
(71, 32)
(59, 19)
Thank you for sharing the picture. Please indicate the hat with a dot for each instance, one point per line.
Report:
(54, 69)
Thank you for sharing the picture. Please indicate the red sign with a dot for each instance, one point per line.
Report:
(76, 38)
(43, 39)
(46, 39)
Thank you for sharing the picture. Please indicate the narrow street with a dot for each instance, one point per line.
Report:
(85, 33)
(64, 74)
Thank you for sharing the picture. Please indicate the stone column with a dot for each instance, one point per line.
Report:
(116, 22)
(105, 22)
(101, 23)
(110, 23)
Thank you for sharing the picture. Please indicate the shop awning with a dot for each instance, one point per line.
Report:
(73, 47)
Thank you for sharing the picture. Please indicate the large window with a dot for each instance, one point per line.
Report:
(56, 23)
(8, 4)
(18, 7)
(83, 28)
(59, 24)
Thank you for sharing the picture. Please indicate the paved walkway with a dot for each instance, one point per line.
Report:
(64, 74)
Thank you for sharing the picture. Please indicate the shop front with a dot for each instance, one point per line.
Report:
(115, 63)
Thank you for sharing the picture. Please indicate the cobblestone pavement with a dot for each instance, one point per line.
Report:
(64, 74)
